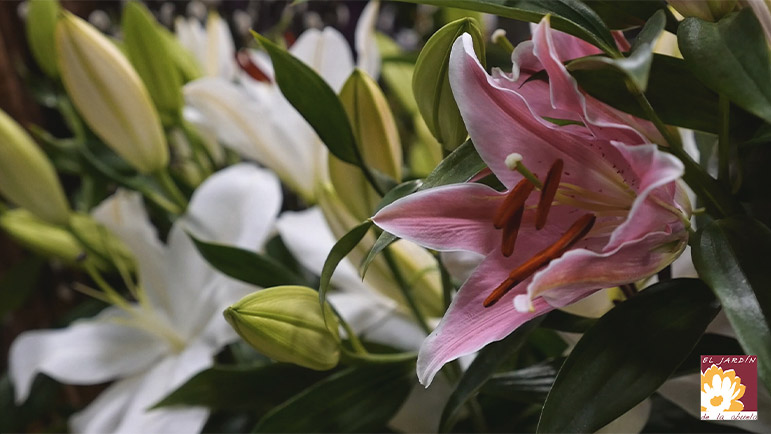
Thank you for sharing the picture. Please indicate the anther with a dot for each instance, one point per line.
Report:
(512, 203)
(251, 69)
(547, 193)
(510, 232)
(575, 233)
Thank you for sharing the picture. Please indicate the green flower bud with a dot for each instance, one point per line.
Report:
(285, 323)
(41, 25)
(27, 178)
(148, 52)
(101, 245)
(709, 10)
(109, 94)
(377, 138)
(52, 241)
(431, 82)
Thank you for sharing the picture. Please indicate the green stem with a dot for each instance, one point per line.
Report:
(724, 149)
(170, 188)
(405, 288)
(358, 347)
(718, 200)
(447, 286)
(369, 358)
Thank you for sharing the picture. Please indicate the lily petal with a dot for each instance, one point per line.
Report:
(309, 239)
(452, 217)
(284, 142)
(328, 53)
(125, 215)
(468, 325)
(131, 415)
(87, 352)
(367, 52)
(236, 206)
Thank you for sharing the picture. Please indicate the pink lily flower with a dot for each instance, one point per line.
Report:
(610, 210)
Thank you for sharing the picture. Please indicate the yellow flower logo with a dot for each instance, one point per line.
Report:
(720, 391)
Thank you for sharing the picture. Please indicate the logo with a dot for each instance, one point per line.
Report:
(729, 388)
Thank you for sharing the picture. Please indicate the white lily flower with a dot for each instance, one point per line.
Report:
(254, 119)
(156, 344)
(212, 46)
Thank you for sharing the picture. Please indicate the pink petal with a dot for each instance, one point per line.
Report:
(580, 272)
(468, 325)
(501, 121)
(656, 172)
(452, 217)
(550, 48)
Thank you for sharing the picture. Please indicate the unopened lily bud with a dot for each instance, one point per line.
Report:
(27, 178)
(109, 94)
(431, 82)
(377, 138)
(285, 323)
(148, 52)
(41, 25)
(100, 244)
(709, 10)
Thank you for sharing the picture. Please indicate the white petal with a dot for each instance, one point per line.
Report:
(87, 352)
(220, 49)
(143, 391)
(307, 235)
(192, 36)
(377, 319)
(236, 206)
(281, 140)
(461, 264)
(328, 53)
(367, 52)
(124, 214)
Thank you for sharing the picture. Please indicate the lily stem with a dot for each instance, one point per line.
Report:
(170, 188)
(723, 144)
(405, 288)
(446, 281)
(718, 200)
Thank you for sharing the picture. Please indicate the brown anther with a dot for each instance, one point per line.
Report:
(575, 233)
(512, 203)
(254, 71)
(547, 193)
(510, 232)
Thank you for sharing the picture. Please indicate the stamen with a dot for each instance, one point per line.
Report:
(577, 231)
(512, 203)
(547, 193)
(254, 71)
(510, 232)
(514, 162)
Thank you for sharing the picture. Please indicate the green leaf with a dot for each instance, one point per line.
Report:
(317, 103)
(629, 14)
(361, 399)
(730, 57)
(399, 192)
(431, 82)
(637, 66)
(460, 166)
(566, 322)
(569, 16)
(482, 368)
(627, 355)
(732, 256)
(147, 51)
(528, 385)
(237, 388)
(339, 251)
(677, 96)
(247, 266)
